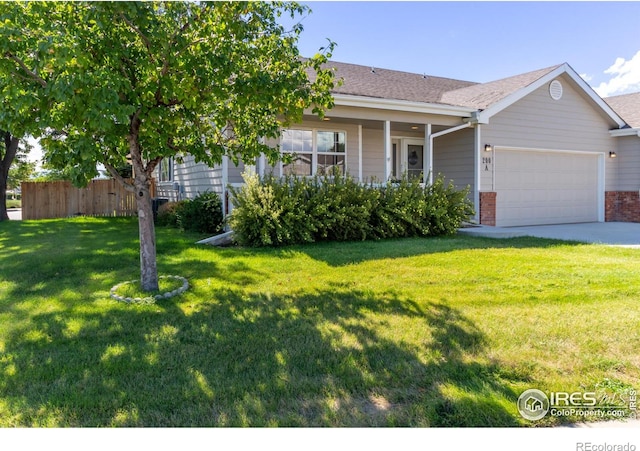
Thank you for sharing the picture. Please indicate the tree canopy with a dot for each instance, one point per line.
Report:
(202, 78)
(150, 80)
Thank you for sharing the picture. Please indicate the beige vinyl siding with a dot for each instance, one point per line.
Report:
(194, 178)
(372, 154)
(453, 157)
(624, 171)
(235, 172)
(539, 122)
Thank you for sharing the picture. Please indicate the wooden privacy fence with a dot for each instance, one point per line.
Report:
(43, 200)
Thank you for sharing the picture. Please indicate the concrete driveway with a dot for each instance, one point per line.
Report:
(625, 234)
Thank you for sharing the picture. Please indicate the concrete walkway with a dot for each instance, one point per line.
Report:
(625, 234)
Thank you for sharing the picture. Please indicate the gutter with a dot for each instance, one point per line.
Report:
(625, 132)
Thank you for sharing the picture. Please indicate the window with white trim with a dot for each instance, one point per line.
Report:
(315, 151)
(165, 170)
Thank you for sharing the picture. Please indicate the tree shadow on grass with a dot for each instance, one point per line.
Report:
(360, 251)
(334, 358)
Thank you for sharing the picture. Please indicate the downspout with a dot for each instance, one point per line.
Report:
(225, 181)
(360, 153)
(437, 134)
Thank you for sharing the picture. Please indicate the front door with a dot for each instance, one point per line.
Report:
(414, 154)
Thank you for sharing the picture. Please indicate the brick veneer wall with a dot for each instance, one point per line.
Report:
(621, 206)
(488, 208)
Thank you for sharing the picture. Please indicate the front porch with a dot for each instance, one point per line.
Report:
(383, 150)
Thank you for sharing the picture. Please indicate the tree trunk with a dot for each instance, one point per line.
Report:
(4, 216)
(10, 150)
(146, 227)
(148, 266)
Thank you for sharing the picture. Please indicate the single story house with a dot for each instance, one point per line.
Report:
(536, 148)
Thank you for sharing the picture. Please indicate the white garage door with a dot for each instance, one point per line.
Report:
(536, 187)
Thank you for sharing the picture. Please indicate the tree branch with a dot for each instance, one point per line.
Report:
(184, 28)
(152, 165)
(23, 66)
(137, 30)
(114, 173)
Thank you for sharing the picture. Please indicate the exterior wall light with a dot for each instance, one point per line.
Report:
(612, 155)
(488, 147)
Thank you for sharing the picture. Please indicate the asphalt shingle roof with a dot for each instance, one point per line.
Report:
(481, 96)
(390, 84)
(628, 107)
(382, 83)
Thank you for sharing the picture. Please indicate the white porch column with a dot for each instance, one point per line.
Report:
(427, 157)
(387, 150)
(360, 153)
(262, 163)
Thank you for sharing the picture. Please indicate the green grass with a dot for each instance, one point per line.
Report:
(415, 332)
(13, 203)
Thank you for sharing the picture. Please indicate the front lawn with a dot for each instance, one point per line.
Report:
(415, 332)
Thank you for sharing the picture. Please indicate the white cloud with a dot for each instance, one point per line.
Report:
(586, 77)
(625, 77)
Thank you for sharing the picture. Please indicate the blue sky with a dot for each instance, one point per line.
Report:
(484, 41)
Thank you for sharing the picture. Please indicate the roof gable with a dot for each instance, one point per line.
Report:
(534, 80)
(487, 98)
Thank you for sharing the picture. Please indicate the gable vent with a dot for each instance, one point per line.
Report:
(555, 90)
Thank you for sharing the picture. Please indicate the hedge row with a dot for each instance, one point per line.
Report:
(276, 211)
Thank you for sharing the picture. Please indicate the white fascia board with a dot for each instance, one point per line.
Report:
(625, 132)
(483, 116)
(402, 105)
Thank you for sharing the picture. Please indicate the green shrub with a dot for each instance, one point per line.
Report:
(340, 209)
(271, 211)
(276, 211)
(202, 214)
(167, 214)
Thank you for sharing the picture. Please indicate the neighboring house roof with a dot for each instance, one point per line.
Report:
(627, 106)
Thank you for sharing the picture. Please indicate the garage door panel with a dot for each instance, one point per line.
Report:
(545, 187)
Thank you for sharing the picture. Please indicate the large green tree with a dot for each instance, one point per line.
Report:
(151, 80)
